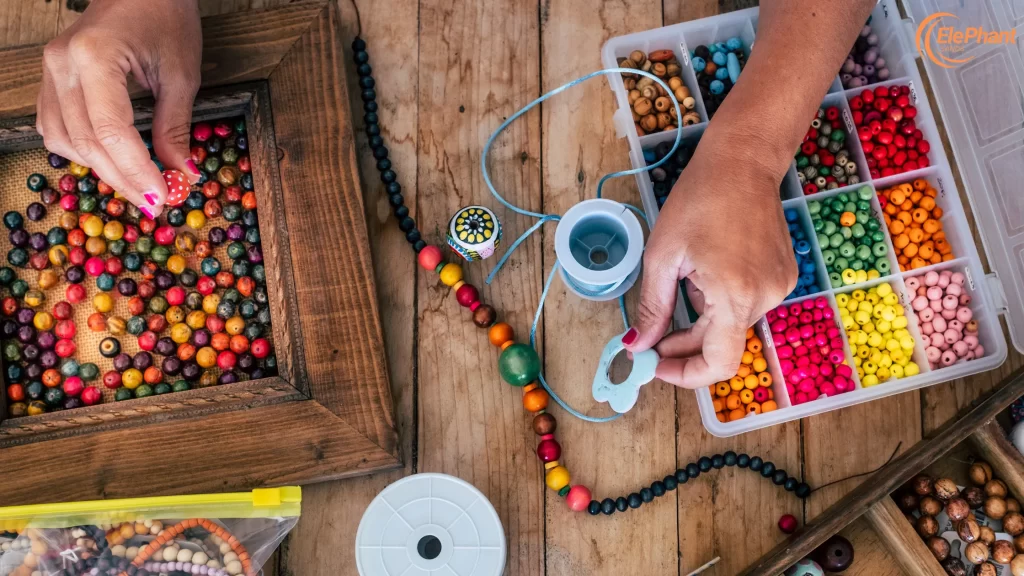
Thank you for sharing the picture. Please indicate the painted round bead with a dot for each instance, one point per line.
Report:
(578, 498)
(500, 333)
(484, 316)
(429, 257)
(549, 450)
(451, 273)
(519, 365)
(544, 424)
(535, 400)
(557, 478)
(466, 295)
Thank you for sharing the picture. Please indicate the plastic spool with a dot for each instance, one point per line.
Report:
(599, 244)
(430, 524)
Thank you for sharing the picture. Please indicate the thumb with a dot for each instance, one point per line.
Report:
(172, 119)
(658, 292)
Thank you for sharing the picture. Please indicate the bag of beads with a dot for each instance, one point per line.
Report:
(205, 534)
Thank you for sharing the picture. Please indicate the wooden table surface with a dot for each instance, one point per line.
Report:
(448, 72)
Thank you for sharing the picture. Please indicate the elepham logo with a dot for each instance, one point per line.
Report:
(951, 42)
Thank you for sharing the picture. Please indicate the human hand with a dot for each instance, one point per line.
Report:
(84, 112)
(723, 230)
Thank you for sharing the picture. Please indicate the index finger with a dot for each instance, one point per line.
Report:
(719, 358)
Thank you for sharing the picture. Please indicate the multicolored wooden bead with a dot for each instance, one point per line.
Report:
(474, 233)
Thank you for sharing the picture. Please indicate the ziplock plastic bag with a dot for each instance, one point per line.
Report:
(205, 534)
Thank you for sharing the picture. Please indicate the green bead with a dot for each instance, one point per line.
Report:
(814, 207)
(863, 206)
(143, 391)
(57, 235)
(231, 295)
(17, 257)
(158, 304)
(53, 397)
(259, 274)
(856, 265)
(819, 225)
(36, 182)
(144, 244)
(872, 225)
(841, 264)
(132, 261)
(69, 368)
(519, 365)
(88, 371)
(136, 325)
(123, 394)
(822, 239)
(846, 233)
(863, 252)
(232, 212)
(12, 353)
(160, 254)
(162, 388)
(180, 386)
(7, 275)
(835, 279)
(829, 228)
(829, 256)
(865, 193)
(236, 250)
(882, 266)
(802, 161)
(858, 230)
(847, 249)
(877, 236)
(18, 288)
(824, 171)
(850, 207)
(87, 203)
(879, 249)
(837, 135)
(117, 247)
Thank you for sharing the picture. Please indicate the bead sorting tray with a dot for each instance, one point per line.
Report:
(980, 103)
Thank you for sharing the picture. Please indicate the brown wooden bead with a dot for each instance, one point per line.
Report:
(484, 316)
(1002, 551)
(544, 424)
(927, 526)
(1018, 544)
(980, 473)
(649, 123)
(957, 509)
(974, 496)
(1017, 565)
(643, 105)
(907, 501)
(986, 569)
(996, 488)
(945, 489)
(954, 566)
(939, 547)
(659, 69)
(638, 57)
(995, 508)
(1012, 505)
(662, 104)
(968, 530)
(1013, 524)
(930, 506)
(986, 535)
(976, 553)
(922, 485)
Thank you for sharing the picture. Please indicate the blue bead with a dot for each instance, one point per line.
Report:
(712, 48)
(721, 47)
(661, 201)
(698, 64)
(717, 87)
(734, 43)
(722, 73)
(733, 67)
(791, 215)
(719, 58)
(649, 156)
(803, 247)
(808, 267)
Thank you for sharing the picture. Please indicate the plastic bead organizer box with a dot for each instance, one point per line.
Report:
(979, 104)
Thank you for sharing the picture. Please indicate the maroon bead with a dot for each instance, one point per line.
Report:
(549, 450)
(467, 294)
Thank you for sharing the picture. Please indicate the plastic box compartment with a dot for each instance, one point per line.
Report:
(988, 143)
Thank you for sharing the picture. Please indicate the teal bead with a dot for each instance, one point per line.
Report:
(162, 388)
(136, 325)
(18, 288)
(519, 365)
(123, 394)
(824, 171)
(69, 368)
(210, 266)
(88, 371)
(132, 260)
(117, 247)
(7, 275)
(180, 386)
(105, 282)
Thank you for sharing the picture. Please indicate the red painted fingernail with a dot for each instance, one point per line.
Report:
(146, 211)
(192, 166)
(630, 336)
(151, 198)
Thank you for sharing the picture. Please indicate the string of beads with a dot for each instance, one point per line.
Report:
(518, 363)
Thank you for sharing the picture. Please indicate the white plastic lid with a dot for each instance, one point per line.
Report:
(982, 105)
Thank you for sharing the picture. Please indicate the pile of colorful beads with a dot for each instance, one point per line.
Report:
(652, 108)
(664, 177)
(851, 237)
(888, 133)
(195, 326)
(915, 224)
(824, 162)
(865, 64)
(807, 281)
(718, 67)
(876, 326)
(947, 323)
(810, 349)
(750, 390)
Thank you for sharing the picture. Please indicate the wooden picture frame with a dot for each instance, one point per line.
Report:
(329, 413)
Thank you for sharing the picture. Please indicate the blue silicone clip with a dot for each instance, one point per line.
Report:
(622, 397)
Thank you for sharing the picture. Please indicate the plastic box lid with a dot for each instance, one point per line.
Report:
(981, 101)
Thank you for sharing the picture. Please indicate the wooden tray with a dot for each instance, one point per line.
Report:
(329, 412)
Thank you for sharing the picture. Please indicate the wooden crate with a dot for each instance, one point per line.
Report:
(328, 414)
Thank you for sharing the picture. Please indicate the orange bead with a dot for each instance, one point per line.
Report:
(904, 217)
(732, 401)
(768, 406)
(743, 371)
(926, 251)
(746, 396)
(920, 184)
(753, 408)
(718, 404)
(848, 219)
(722, 389)
(931, 226)
(901, 241)
(720, 417)
(928, 203)
(910, 251)
(500, 333)
(750, 382)
(750, 333)
(897, 197)
(896, 228)
(760, 365)
(535, 400)
(220, 341)
(764, 379)
(754, 345)
(737, 414)
(920, 215)
(736, 383)
(916, 235)
(916, 263)
(937, 212)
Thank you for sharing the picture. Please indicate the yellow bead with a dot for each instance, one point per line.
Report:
(848, 322)
(883, 289)
(874, 339)
(911, 369)
(868, 328)
(93, 226)
(873, 275)
(863, 351)
(869, 380)
(883, 326)
(102, 302)
(869, 367)
(557, 478)
(78, 170)
(892, 345)
(889, 313)
(842, 299)
(875, 357)
(174, 315)
(59, 255)
(907, 343)
(131, 378)
(206, 357)
(196, 319)
(113, 230)
(885, 361)
(210, 303)
(858, 295)
(451, 273)
(861, 317)
(234, 326)
(180, 333)
(43, 321)
(891, 299)
(195, 219)
(873, 298)
(897, 371)
(861, 275)
(883, 373)
(176, 264)
(899, 357)
(900, 322)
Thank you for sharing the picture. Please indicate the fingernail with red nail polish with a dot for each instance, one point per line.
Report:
(192, 166)
(146, 211)
(151, 198)
(630, 336)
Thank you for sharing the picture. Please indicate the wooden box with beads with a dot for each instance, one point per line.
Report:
(892, 294)
(241, 321)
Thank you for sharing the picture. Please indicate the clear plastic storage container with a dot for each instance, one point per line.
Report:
(981, 104)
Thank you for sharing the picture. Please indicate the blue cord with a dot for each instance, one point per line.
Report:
(544, 218)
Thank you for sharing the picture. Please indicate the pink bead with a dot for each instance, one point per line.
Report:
(815, 357)
(836, 357)
(926, 329)
(821, 302)
(828, 314)
(948, 313)
(970, 355)
(827, 389)
(956, 325)
(972, 341)
(919, 303)
(808, 304)
(948, 358)
(778, 326)
(935, 305)
(807, 331)
(951, 336)
(820, 327)
(578, 498)
(795, 309)
(842, 384)
(827, 370)
(833, 333)
(94, 266)
(818, 314)
(913, 283)
(785, 366)
(964, 314)
(926, 315)
(958, 278)
(782, 312)
(950, 302)
(785, 351)
(812, 395)
(939, 324)
(771, 316)
(931, 278)
(965, 299)
(779, 340)
(760, 394)
(792, 321)
(821, 339)
(801, 350)
(792, 335)
(805, 386)
(790, 389)
(933, 354)
(844, 370)
(944, 279)
(934, 293)
(954, 289)
(937, 340)
(806, 317)
(979, 351)
(960, 349)
(800, 398)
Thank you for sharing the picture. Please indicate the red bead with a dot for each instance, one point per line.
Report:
(466, 295)
(867, 96)
(175, 295)
(64, 348)
(260, 348)
(91, 395)
(147, 340)
(177, 187)
(65, 329)
(94, 266)
(578, 498)
(226, 360)
(549, 450)
(429, 257)
(113, 266)
(809, 148)
(788, 523)
(73, 386)
(202, 132)
(75, 293)
(112, 380)
(164, 235)
(206, 285)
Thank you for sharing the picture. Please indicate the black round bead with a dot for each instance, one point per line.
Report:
(779, 478)
(380, 152)
(401, 211)
(358, 45)
(756, 463)
(373, 129)
(743, 460)
(412, 236)
(730, 458)
(370, 106)
(790, 484)
(396, 199)
(682, 477)
(718, 461)
(364, 70)
(594, 507)
(621, 504)
(366, 82)
(802, 490)
(369, 94)
(419, 245)
(670, 482)
(406, 224)
(608, 506)
(393, 188)
(646, 494)
(767, 469)
(383, 164)
(704, 463)
(388, 176)
(370, 118)
(360, 56)
(692, 470)
(634, 500)
(658, 487)
(376, 141)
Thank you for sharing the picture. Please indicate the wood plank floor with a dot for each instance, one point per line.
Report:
(448, 72)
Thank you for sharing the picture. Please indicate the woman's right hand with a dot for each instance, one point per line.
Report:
(84, 111)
